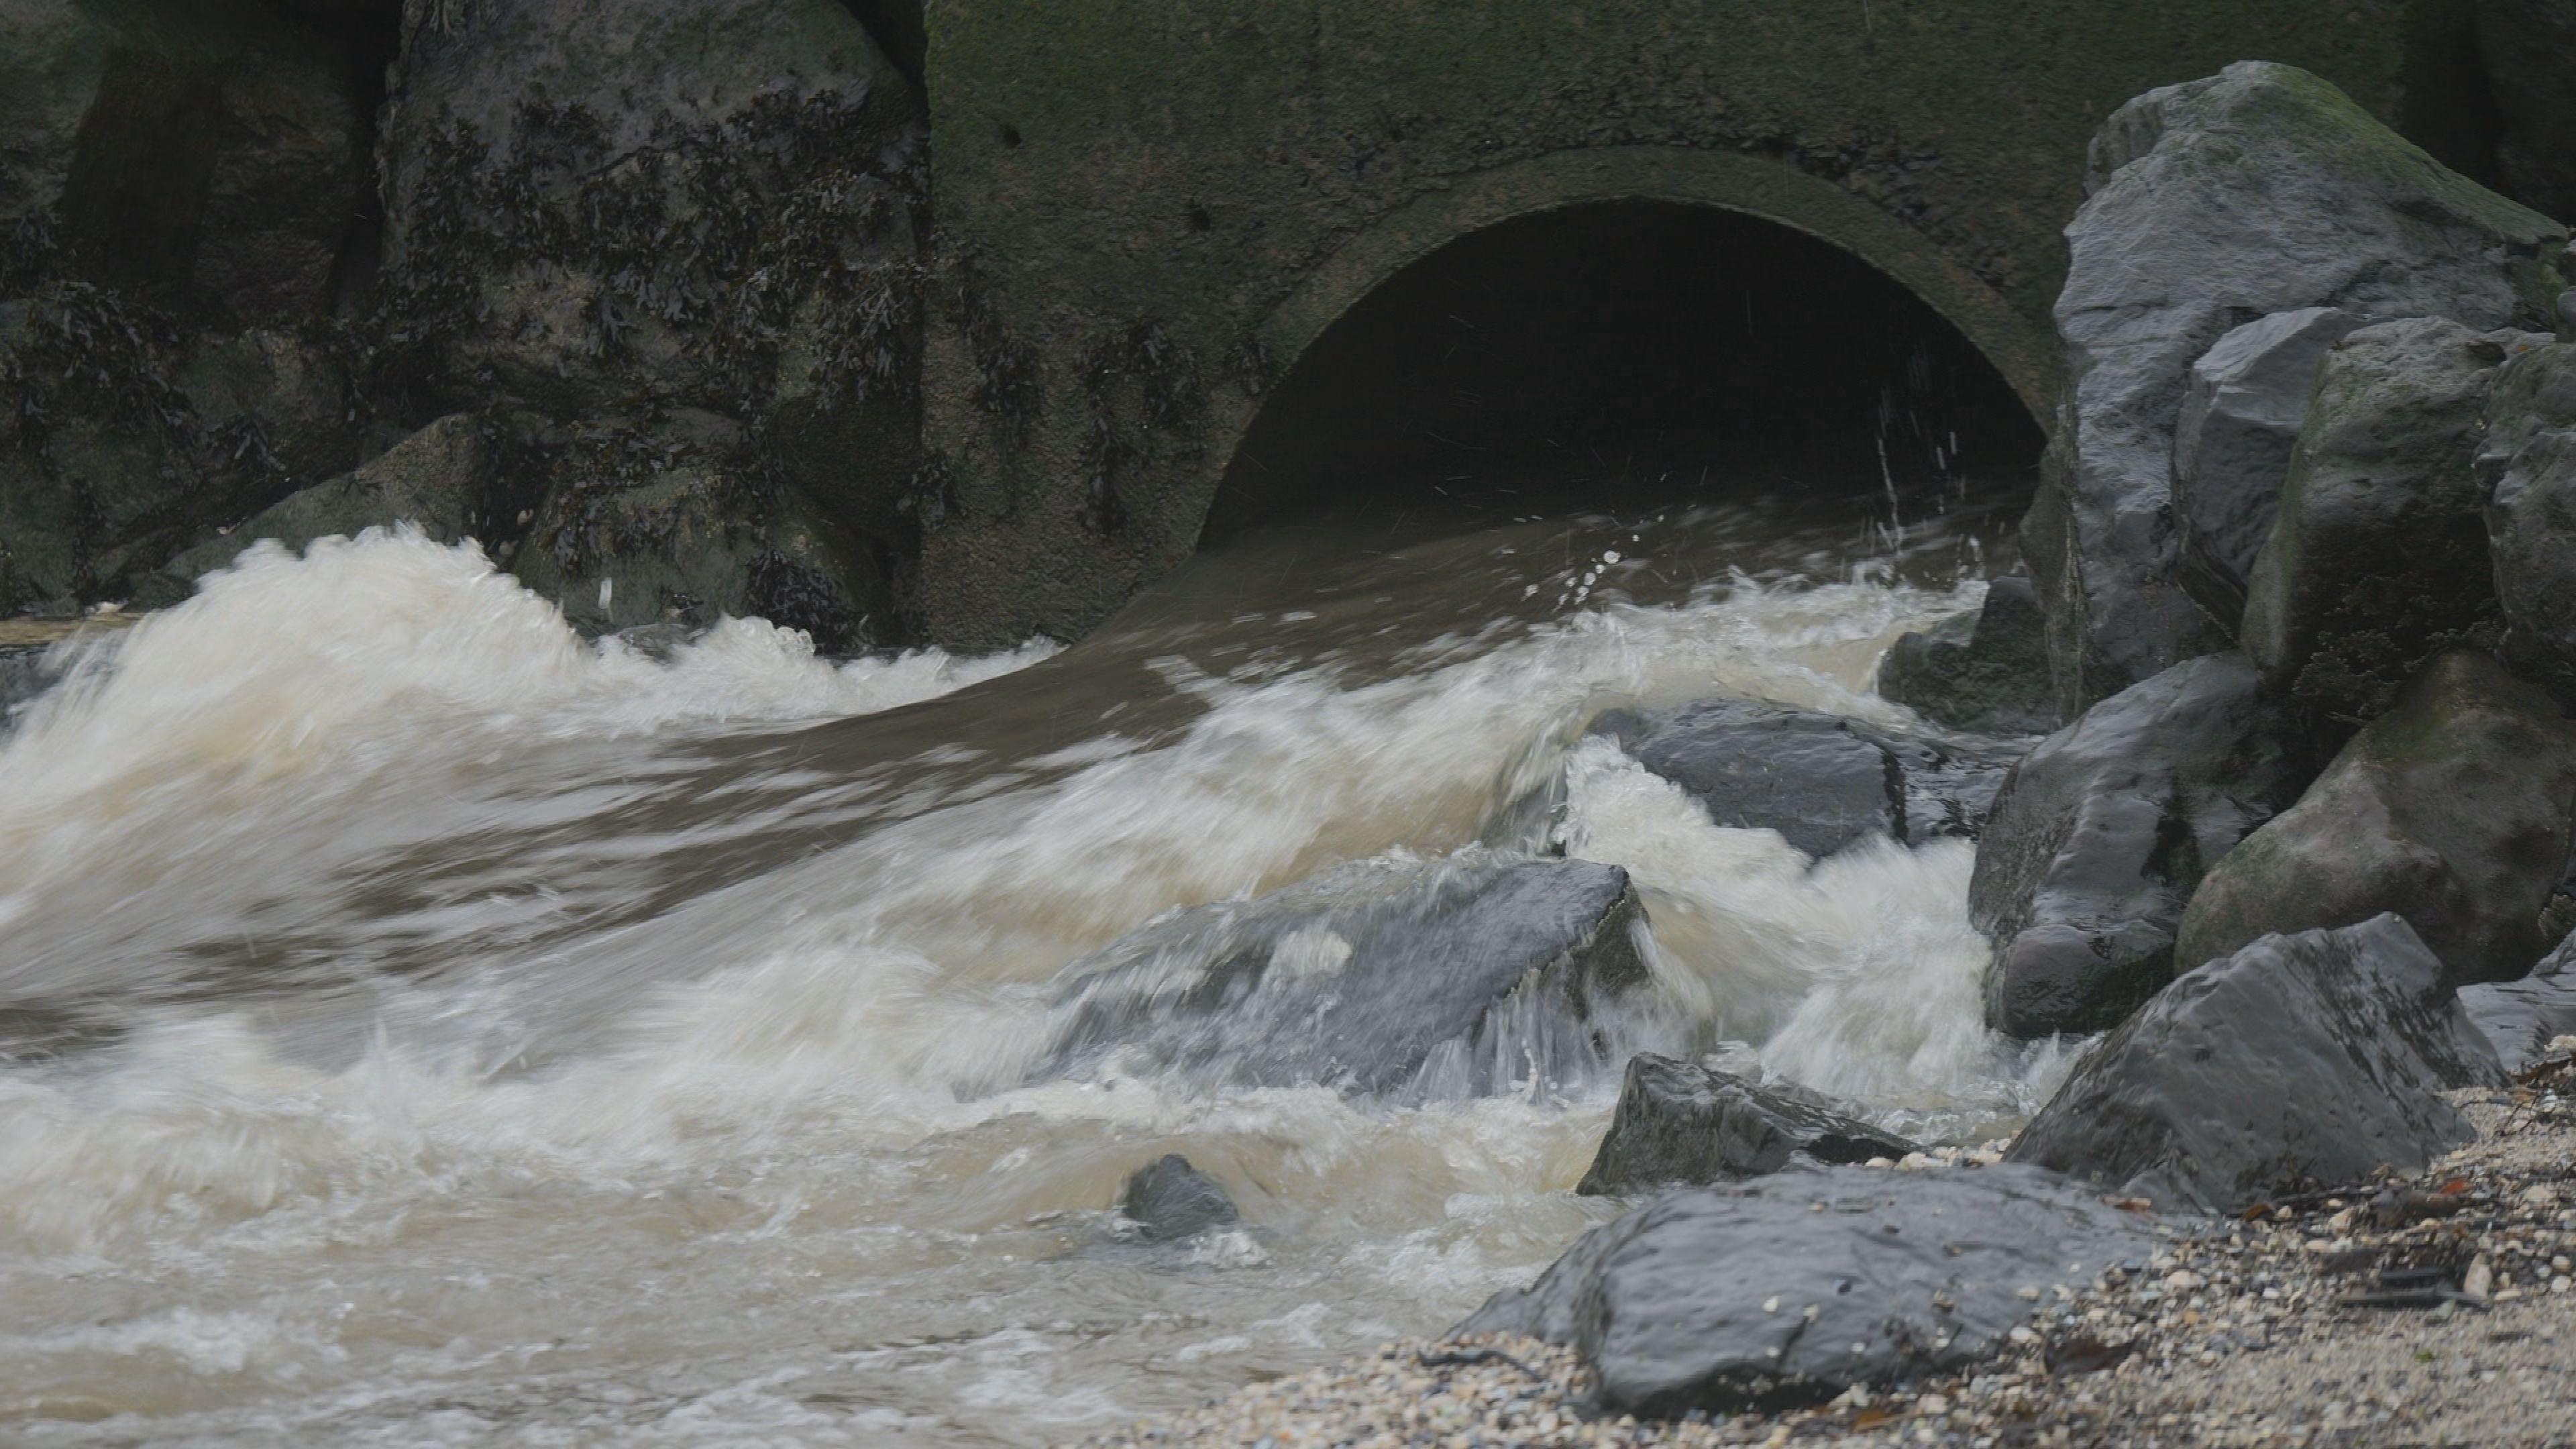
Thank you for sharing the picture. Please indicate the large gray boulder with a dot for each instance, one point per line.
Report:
(2378, 558)
(2527, 43)
(1446, 979)
(1820, 780)
(2102, 832)
(2300, 1061)
(2248, 396)
(2528, 463)
(2521, 1018)
(677, 525)
(1793, 1288)
(1985, 672)
(2452, 809)
(2259, 190)
(1679, 1122)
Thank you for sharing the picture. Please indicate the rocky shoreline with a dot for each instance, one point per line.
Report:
(2411, 1308)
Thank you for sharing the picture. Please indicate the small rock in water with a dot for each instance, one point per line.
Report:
(1169, 1199)
(1677, 1122)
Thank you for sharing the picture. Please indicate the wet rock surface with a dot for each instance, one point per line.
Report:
(2452, 809)
(1445, 979)
(2101, 834)
(1167, 1200)
(2256, 191)
(2240, 421)
(2298, 1061)
(2528, 466)
(1820, 780)
(1795, 1287)
(2521, 1018)
(1986, 672)
(2378, 558)
(1678, 1122)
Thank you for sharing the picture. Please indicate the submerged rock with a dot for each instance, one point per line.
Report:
(2378, 558)
(2452, 810)
(2262, 189)
(2240, 420)
(1168, 1199)
(2299, 1061)
(1678, 1122)
(1985, 672)
(2102, 833)
(1793, 1287)
(1820, 780)
(1448, 979)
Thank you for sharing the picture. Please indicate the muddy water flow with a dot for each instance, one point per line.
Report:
(421, 1025)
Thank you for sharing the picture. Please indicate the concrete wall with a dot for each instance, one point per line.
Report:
(1145, 210)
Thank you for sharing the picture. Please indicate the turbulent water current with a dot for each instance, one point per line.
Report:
(421, 1025)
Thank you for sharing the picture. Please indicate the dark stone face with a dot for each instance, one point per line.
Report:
(1681, 1123)
(1988, 675)
(1168, 1199)
(2301, 1061)
(1793, 1287)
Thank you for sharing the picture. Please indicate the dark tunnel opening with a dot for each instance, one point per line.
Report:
(1633, 355)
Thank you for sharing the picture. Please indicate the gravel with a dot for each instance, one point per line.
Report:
(2431, 1308)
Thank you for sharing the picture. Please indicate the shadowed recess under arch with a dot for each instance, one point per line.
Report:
(1627, 353)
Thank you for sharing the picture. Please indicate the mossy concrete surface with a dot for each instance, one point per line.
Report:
(1147, 211)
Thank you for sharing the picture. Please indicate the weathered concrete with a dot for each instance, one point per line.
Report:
(1147, 212)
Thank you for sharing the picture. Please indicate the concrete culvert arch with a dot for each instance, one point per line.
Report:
(1624, 351)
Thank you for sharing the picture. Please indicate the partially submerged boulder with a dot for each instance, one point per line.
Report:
(1678, 1122)
(2300, 1061)
(1447, 979)
(1794, 1287)
(2378, 558)
(2452, 809)
(2249, 395)
(1985, 672)
(1820, 780)
(2260, 190)
(449, 480)
(649, 527)
(1167, 1200)
(2101, 834)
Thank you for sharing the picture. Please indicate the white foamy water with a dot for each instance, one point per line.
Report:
(435, 1028)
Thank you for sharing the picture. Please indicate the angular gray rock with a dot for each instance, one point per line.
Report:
(2248, 396)
(2521, 1018)
(1792, 1288)
(1448, 979)
(2101, 834)
(1821, 780)
(1167, 1199)
(2528, 464)
(2452, 809)
(2259, 190)
(2378, 558)
(1986, 672)
(449, 480)
(2300, 1061)
(2527, 43)
(679, 526)
(1678, 1122)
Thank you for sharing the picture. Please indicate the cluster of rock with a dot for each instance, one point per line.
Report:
(2304, 584)
(626, 292)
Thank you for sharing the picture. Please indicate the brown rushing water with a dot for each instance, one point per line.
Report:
(424, 1026)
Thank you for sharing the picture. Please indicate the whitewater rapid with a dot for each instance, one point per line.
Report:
(423, 1025)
